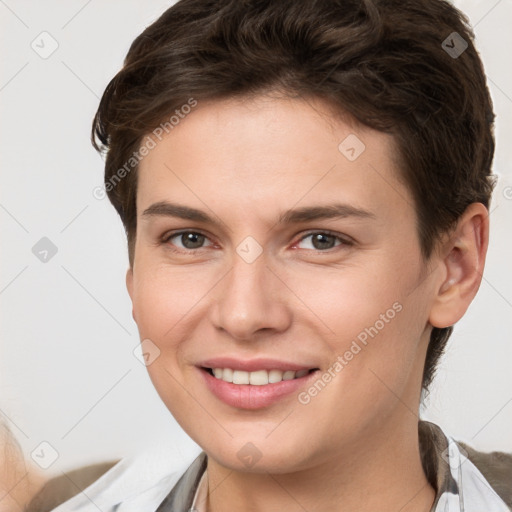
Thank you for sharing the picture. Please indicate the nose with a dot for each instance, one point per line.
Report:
(250, 300)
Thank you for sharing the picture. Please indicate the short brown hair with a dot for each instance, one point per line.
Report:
(406, 68)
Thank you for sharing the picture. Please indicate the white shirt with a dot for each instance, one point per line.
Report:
(145, 482)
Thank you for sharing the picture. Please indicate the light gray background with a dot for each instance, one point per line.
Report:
(68, 374)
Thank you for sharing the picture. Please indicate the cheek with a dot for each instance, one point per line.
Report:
(168, 306)
(370, 322)
(163, 298)
(348, 300)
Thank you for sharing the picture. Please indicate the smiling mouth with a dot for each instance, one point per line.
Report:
(258, 377)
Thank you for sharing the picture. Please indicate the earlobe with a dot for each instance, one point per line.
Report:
(463, 266)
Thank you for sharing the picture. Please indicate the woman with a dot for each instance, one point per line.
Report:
(305, 190)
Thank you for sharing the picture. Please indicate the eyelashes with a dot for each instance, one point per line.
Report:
(196, 237)
(344, 241)
(168, 237)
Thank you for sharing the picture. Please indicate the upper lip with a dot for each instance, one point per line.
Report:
(252, 365)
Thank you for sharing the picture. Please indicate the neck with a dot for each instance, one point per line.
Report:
(383, 472)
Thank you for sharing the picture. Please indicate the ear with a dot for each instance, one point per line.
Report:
(463, 265)
(129, 287)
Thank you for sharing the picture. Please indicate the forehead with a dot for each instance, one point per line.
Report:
(264, 153)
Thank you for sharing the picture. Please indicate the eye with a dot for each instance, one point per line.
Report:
(189, 240)
(324, 240)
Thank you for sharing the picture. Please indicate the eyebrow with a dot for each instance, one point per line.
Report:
(293, 216)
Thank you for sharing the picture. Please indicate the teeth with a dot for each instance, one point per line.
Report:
(227, 374)
(275, 376)
(257, 378)
(239, 377)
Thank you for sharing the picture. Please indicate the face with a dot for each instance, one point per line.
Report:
(278, 284)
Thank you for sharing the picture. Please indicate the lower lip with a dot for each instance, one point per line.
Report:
(247, 396)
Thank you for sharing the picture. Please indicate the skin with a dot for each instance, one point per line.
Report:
(354, 446)
(19, 479)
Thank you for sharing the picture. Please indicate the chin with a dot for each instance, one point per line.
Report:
(259, 453)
